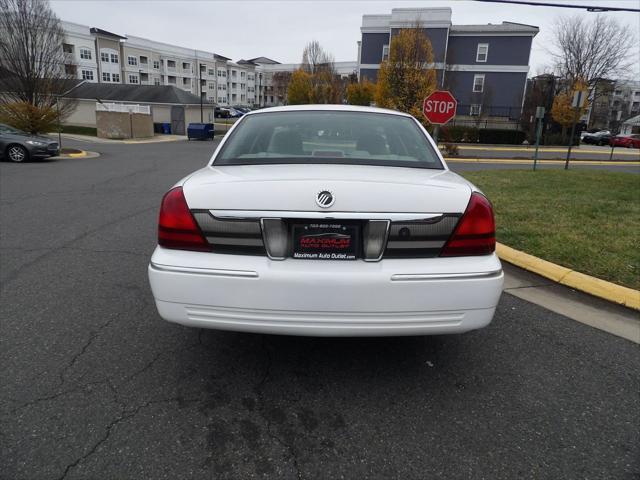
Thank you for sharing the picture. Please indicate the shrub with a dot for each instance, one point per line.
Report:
(459, 134)
(512, 137)
(361, 93)
(28, 117)
(80, 130)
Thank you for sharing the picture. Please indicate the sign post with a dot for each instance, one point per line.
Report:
(439, 108)
(578, 100)
(539, 118)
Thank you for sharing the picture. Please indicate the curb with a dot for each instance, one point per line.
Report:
(625, 296)
(523, 161)
(81, 154)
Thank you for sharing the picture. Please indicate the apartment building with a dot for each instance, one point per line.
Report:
(484, 66)
(625, 101)
(96, 55)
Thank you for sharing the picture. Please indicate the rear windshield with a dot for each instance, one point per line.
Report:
(351, 138)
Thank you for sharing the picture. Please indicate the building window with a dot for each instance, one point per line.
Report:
(143, 60)
(475, 110)
(87, 74)
(132, 60)
(186, 66)
(156, 81)
(67, 48)
(114, 58)
(70, 69)
(156, 65)
(478, 83)
(85, 54)
(385, 52)
(104, 57)
(212, 86)
(115, 77)
(211, 72)
(134, 79)
(106, 77)
(482, 53)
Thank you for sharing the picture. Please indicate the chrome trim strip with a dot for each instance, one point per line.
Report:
(255, 214)
(243, 242)
(216, 272)
(264, 238)
(413, 277)
(384, 244)
(415, 244)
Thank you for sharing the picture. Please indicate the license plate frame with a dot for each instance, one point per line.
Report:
(326, 240)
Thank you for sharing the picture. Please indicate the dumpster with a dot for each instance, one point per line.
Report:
(166, 128)
(201, 131)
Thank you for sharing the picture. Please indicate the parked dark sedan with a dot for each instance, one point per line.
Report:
(598, 138)
(19, 146)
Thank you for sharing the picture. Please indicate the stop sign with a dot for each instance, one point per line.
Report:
(439, 107)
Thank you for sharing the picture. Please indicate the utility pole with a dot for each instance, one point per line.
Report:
(58, 110)
(578, 100)
(539, 118)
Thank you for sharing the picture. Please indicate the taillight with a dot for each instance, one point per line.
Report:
(475, 233)
(176, 226)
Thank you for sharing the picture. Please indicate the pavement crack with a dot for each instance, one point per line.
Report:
(124, 415)
(259, 390)
(70, 242)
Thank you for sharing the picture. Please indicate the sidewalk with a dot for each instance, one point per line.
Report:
(91, 139)
(578, 306)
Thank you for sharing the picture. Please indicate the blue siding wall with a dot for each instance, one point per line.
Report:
(371, 48)
(502, 90)
(438, 38)
(502, 50)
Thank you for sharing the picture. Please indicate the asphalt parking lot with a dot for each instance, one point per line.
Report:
(94, 385)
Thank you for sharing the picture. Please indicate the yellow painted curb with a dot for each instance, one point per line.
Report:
(565, 276)
(77, 155)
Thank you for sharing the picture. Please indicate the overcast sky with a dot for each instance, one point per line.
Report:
(280, 29)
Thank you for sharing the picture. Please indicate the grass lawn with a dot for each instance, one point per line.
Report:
(588, 221)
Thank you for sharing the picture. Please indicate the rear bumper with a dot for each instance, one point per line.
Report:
(325, 298)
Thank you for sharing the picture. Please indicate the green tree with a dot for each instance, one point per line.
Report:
(300, 88)
(408, 75)
(361, 93)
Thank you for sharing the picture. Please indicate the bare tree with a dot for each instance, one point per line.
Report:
(31, 55)
(590, 50)
(326, 85)
(315, 58)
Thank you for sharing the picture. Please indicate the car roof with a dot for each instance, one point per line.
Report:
(331, 108)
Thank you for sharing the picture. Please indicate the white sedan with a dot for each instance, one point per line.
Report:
(326, 220)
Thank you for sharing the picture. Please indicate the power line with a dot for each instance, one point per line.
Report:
(588, 8)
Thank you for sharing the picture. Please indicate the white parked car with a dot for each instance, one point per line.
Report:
(326, 220)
